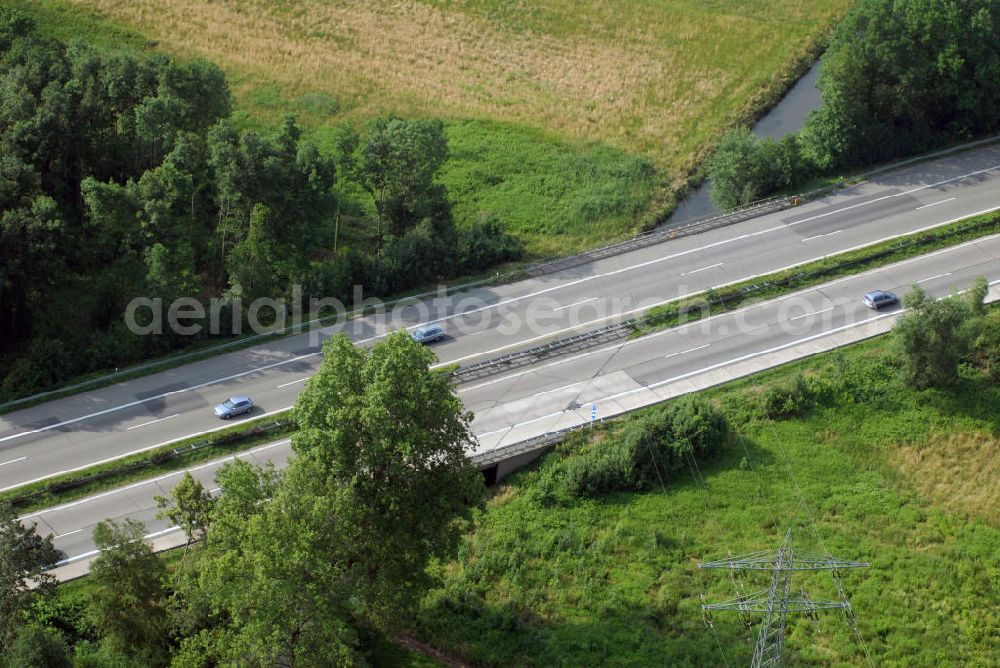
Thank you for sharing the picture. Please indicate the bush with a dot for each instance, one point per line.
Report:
(651, 449)
(609, 467)
(787, 400)
(36, 647)
(986, 352)
(697, 422)
(932, 338)
(416, 258)
(746, 168)
(487, 244)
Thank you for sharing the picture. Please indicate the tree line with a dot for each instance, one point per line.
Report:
(299, 567)
(123, 176)
(898, 79)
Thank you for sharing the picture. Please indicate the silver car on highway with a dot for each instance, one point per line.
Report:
(427, 334)
(876, 299)
(233, 406)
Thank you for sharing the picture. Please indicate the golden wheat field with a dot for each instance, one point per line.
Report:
(658, 77)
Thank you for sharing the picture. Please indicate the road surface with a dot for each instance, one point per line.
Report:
(616, 378)
(129, 417)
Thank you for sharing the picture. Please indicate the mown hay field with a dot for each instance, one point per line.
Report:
(655, 76)
(651, 80)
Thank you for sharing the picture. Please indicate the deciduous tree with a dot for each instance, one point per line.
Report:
(901, 77)
(24, 559)
(190, 507)
(932, 338)
(396, 163)
(388, 437)
(128, 600)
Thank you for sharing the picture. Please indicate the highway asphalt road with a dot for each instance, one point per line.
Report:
(78, 431)
(535, 400)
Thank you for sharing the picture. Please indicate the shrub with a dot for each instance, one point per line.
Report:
(486, 244)
(697, 422)
(652, 447)
(415, 258)
(600, 470)
(746, 168)
(986, 352)
(931, 339)
(37, 647)
(787, 400)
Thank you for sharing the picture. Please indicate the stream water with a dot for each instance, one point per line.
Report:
(789, 115)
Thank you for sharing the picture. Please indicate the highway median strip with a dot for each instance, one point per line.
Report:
(730, 297)
(165, 459)
(722, 299)
(178, 455)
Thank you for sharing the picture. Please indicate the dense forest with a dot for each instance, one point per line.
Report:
(898, 79)
(123, 177)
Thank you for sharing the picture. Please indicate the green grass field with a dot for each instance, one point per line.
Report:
(576, 122)
(875, 472)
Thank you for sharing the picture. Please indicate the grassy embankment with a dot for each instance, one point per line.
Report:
(866, 469)
(574, 121)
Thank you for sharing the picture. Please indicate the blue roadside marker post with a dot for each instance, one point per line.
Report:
(593, 412)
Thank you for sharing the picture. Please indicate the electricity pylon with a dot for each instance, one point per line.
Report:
(775, 602)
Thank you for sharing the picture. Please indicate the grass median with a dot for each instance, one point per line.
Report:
(181, 454)
(165, 459)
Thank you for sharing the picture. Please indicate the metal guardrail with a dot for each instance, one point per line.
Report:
(531, 355)
(664, 233)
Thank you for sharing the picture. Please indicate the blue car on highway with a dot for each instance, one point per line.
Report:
(234, 406)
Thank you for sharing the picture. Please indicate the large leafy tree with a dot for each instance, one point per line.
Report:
(379, 485)
(128, 599)
(101, 159)
(396, 162)
(24, 559)
(287, 177)
(387, 437)
(899, 77)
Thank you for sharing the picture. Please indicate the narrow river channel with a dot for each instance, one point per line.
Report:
(789, 115)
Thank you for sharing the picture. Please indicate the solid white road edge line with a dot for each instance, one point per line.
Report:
(152, 481)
